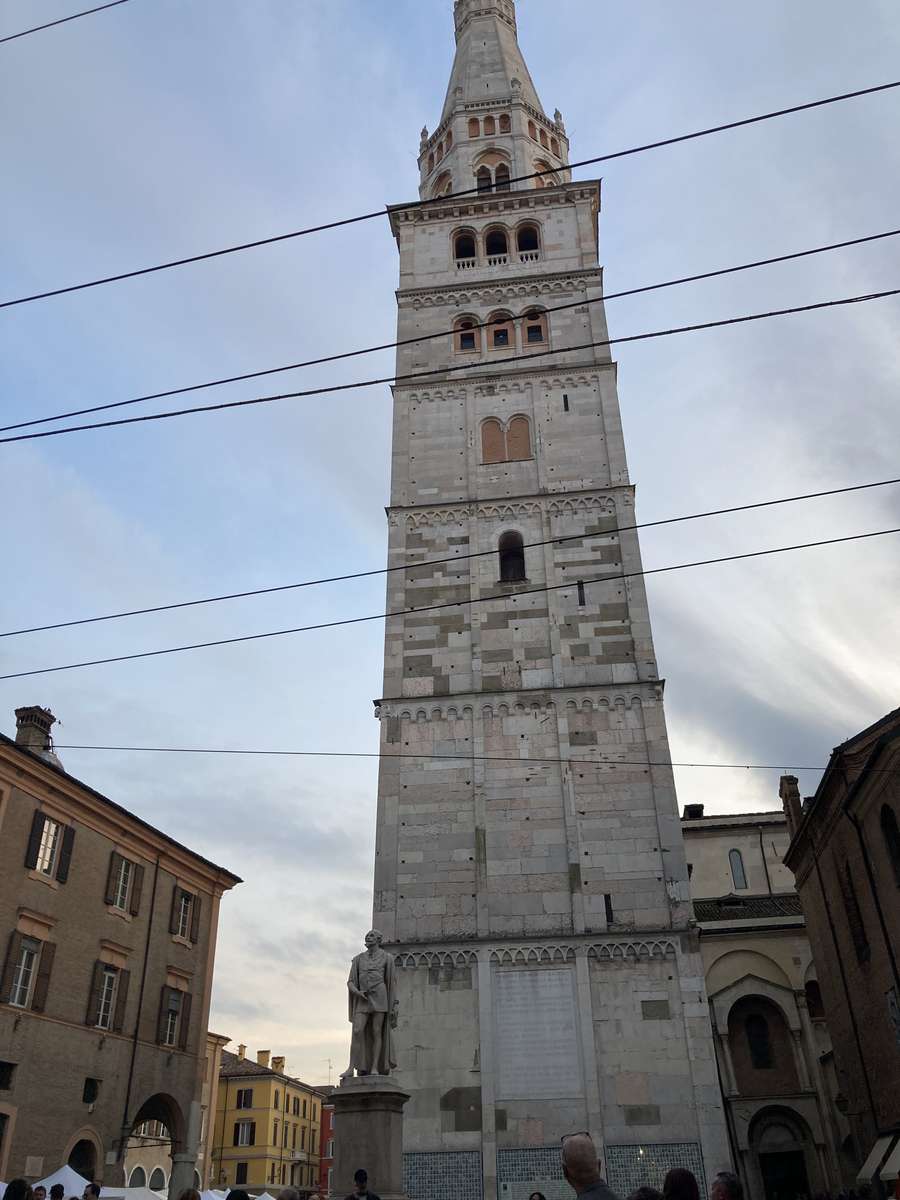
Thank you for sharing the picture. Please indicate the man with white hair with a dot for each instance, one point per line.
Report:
(581, 1167)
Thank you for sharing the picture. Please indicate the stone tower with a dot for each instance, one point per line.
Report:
(532, 881)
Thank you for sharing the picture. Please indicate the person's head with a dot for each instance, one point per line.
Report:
(57, 1192)
(646, 1193)
(360, 1177)
(237, 1194)
(39, 1192)
(91, 1191)
(580, 1164)
(537, 1196)
(726, 1186)
(374, 939)
(289, 1193)
(680, 1184)
(18, 1189)
(189, 1194)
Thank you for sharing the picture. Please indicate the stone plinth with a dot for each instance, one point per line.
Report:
(368, 1134)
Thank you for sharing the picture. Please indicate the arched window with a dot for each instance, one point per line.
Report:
(496, 243)
(891, 835)
(137, 1178)
(502, 334)
(544, 140)
(535, 328)
(532, 130)
(474, 127)
(468, 335)
(490, 126)
(157, 1180)
(760, 1043)
(547, 179)
(502, 176)
(738, 874)
(440, 151)
(443, 184)
(484, 180)
(493, 442)
(518, 440)
(464, 246)
(431, 162)
(527, 239)
(814, 1000)
(554, 147)
(505, 124)
(449, 140)
(512, 558)
(854, 916)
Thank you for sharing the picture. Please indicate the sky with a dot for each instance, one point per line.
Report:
(163, 128)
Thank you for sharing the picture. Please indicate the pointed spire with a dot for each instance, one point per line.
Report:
(488, 63)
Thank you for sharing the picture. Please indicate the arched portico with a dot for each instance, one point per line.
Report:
(167, 1111)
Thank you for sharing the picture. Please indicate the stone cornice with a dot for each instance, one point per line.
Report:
(502, 380)
(573, 697)
(600, 947)
(522, 284)
(492, 203)
(567, 501)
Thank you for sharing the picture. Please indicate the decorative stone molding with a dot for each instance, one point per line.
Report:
(463, 510)
(435, 958)
(495, 290)
(527, 955)
(400, 707)
(634, 950)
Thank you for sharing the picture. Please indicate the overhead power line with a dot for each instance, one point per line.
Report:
(440, 562)
(464, 758)
(371, 216)
(429, 608)
(447, 370)
(62, 20)
(445, 333)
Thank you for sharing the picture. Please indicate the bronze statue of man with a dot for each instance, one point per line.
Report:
(373, 1009)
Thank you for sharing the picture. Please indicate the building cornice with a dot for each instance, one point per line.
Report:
(495, 376)
(467, 285)
(490, 204)
(584, 498)
(609, 695)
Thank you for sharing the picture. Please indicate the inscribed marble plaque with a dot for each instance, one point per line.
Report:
(536, 1035)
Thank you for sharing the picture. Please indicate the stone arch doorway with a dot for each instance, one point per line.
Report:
(83, 1159)
(156, 1146)
(783, 1155)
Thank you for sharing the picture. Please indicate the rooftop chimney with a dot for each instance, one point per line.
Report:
(33, 726)
(262, 1058)
(278, 1063)
(790, 798)
(693, 812)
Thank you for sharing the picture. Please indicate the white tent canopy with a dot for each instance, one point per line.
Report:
(73, 1183)
(129, 1193)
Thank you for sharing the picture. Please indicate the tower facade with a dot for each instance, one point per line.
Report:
(530, 874)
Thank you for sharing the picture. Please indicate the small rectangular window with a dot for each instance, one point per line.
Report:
(90, 1091)
(185, 901)
(7, 1070)
(244, 1133)
(303, 1138)
(123, 885)
(240, 1173)
(501, 337)
(607, 900)
(49, 847)
(24, 973)
(108, 988)
(275, 1135)
(581, 599)
(565, 403)
(277, 1103)
(534, 333)
(467, 340)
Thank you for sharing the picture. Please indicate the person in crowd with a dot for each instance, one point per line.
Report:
(726, 1186)
(237, 1194)
(91, 1191)
(680, 1184)
(581, 1167)
(39, 1192)
(537, 1196)
(18, 1189)
(645, 1193)
(189, 1194)
(289, 1193)
(57, 1192)
(361, 1188)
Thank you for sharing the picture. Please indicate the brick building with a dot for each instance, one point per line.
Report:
(845, 854)
(110, 930)
(773, 1044)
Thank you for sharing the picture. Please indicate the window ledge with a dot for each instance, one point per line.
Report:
(507, 585)
(182, 941)
(40, 877)
(120, 913)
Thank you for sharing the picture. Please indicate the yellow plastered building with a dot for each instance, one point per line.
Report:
(268, 1126)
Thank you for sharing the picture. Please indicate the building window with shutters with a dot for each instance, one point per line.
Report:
(124, 884)
(174, 1018)
(245, 1133)
(108, 988)
(108, 997)
(26, 972)
(184, 922)
(244, 1098)
(240, 1172)
(49, 851)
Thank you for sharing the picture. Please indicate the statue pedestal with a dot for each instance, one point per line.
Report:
(368, 1134)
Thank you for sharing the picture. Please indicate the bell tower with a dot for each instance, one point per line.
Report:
(530, 874)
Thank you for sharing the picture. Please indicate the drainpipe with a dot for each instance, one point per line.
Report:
(729, 1116)
(762, 850)
(126, 1126)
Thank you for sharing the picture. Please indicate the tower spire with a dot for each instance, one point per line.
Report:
(492, 118)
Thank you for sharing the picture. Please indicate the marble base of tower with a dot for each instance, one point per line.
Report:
(368, 1134)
